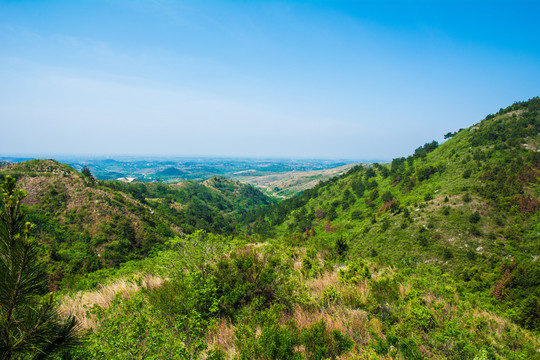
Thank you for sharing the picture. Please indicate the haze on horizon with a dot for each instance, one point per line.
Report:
(340, 79)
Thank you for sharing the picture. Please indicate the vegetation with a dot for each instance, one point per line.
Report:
(30, 326)
(430, 256)
(87, 225)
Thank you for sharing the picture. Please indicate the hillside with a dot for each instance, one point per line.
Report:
(468, 207)
(83, 226)
(86, 225)
(287, 184)
(434, 256)
(492, 168)
(211, 205)
(171, 171)
(240, 196)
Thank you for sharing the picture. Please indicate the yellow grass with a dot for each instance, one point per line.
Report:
(221, 336)
(404, 290)
(323, 281)
(79, 303)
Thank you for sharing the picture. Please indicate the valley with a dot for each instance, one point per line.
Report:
(434, 255)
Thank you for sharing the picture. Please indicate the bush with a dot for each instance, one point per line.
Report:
(475, 230)
(529, 313)
(340, 247)
(330, 295)
(322, 344)
(241, 279)
(273, 342)
(419, 318)
(409, 349)
(384, 289)
(447, 253)
(356, 272)
(356, 214)
(475, 218)
(264, 338)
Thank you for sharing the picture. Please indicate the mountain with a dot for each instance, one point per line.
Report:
(171, 172)
(240, 196)
(86, 224)
(288, 184)
(210, 205)
(82, 225)
(491, 168)
(432, 256)
(468, 206)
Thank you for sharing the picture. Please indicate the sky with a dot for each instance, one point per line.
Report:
(296, 79)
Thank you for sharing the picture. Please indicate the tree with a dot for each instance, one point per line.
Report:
(341, 246)
(86, 172)
(450, 135)
(30, 326)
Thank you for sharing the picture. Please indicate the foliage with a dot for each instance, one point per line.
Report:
(429, 256)
(29, 323)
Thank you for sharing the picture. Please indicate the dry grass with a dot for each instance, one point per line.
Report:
(357, 293)
(404, 289)
(431, 299)
(323, 281)
(290, 182)
(339, 316)
(352, 322)
(221, 336)
(79, 303)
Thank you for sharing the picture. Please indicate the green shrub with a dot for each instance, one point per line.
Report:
(409, 349)
(274, 341)
(475, 230)
(418, 317)
(321, 344)
(245, 277)
(330, 295)
(356, 214)
(447, 253)
(529, 313)
(262, 337)
(475, 218)
(380, 346)
(340, 246)
(384, 289)
(129, 329)
(356, 272)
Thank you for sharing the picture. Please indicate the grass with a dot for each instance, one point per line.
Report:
(80, 304)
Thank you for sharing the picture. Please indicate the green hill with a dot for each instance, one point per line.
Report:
(433, 256)
(468, 207)
(171, 172)
(85, 224)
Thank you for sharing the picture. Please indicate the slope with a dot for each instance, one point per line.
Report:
(369, 265)
(287, 184)
(85, 224)
(468, 207)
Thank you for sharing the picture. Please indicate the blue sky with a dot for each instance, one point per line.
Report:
(317, 79)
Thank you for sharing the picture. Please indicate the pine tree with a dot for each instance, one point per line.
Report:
(30, 327)
(86, 172)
